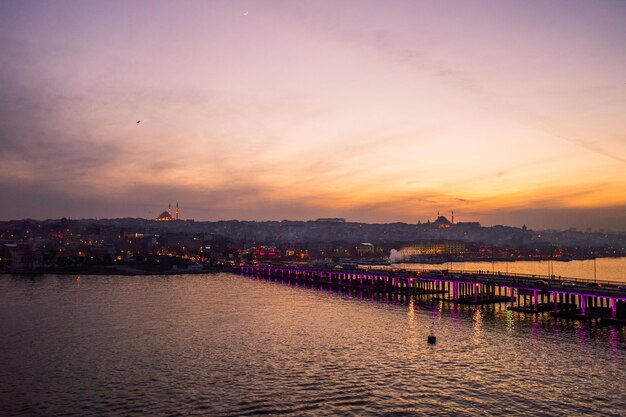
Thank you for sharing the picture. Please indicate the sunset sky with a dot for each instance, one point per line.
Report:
(507, 112)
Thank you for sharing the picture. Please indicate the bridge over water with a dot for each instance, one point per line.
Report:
(563, 297)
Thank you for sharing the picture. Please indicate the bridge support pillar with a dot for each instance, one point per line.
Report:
(536, 299)
(582, 303)
(512, 296)
(475, 292)
(556, 300)
(613, 307)
(455, 290)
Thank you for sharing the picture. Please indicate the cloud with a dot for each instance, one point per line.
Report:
(594, 147)
(372, 113)
(250, 202)
(609, 218)
(423, 58)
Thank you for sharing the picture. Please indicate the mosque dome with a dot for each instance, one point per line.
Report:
(442, 222)
(165, 216)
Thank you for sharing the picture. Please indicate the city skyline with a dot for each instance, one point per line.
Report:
(506, 112)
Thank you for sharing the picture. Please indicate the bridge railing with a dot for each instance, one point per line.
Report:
(551, 278)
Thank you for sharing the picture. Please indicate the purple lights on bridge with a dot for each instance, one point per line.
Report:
(460, 287)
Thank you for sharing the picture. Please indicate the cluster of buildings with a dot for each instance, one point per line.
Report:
(167, 241)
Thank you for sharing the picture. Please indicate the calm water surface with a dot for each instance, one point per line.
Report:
(223, 344)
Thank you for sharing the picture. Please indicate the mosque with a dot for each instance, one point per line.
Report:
(166, 216)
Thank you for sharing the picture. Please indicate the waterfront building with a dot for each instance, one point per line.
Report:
(445, 247)
(365, 249)
(23, 256)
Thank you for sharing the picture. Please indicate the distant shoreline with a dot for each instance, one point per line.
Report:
(114, 270)
(152, 269)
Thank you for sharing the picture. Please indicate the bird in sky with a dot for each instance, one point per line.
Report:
(138, 121)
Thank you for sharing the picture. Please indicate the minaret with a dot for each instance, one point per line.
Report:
(177, 211)
(452, 216)
(169, 209)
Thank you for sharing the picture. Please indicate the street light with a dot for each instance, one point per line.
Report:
(595, 278)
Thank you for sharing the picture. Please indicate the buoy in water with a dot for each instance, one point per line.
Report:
(432, 339)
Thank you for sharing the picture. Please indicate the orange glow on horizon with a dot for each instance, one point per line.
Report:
(367, 116)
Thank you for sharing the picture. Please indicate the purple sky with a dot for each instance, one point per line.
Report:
(507, 112)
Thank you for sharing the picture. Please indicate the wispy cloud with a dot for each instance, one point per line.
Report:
(375, 112)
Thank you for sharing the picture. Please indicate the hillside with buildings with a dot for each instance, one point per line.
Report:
(169, 241)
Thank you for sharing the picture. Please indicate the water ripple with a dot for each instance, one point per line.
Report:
(233, 346)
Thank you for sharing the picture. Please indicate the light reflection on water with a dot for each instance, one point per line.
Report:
(231, 345)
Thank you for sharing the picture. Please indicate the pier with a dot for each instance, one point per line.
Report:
(562, 297)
